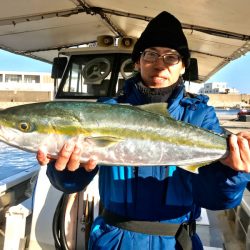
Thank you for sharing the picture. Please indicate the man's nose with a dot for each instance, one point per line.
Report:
(159, 63)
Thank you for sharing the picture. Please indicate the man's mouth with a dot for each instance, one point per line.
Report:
(159, 78)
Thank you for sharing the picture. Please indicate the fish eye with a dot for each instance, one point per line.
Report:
(24, 126)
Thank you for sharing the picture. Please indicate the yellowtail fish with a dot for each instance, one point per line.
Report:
(115, 134)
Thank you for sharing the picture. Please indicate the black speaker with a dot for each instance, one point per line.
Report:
(59, 64)
(191, 73)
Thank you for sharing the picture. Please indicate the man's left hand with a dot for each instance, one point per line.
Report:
(239, 152)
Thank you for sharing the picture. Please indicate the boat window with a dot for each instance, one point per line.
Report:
(94, 76)
(84, 73)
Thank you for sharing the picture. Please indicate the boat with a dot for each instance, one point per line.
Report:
(244, 111)
(244, 115)
(89, 45)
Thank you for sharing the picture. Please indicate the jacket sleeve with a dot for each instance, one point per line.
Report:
(69, 181)
(218, 186)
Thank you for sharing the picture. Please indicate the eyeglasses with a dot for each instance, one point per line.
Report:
(168, 59)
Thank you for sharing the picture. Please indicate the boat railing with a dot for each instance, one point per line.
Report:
(240, 216)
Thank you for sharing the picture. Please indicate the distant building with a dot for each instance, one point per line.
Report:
(26, 80)
(193, 87)
(25, 77)
(24, 87)
(217, 88)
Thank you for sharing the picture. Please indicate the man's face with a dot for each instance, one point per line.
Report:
(159, 74)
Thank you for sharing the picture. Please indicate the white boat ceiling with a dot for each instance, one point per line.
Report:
(217, 31)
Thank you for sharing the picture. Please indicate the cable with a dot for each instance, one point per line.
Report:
(58, 224)
(55, 224)
(63, 239)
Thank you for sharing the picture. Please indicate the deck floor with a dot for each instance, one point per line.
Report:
(217, 234)
(220, 233)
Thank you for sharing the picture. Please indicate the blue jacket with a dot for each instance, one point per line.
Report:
(166, 194)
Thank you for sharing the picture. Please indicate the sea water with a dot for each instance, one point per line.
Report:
(13, 161)
(227, 111)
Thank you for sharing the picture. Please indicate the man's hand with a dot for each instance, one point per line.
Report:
(239, 152)
(68, 157)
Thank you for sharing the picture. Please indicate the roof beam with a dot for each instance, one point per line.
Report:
(39, 16)
(84, 8)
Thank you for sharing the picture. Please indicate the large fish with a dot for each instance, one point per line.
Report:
(116, 134)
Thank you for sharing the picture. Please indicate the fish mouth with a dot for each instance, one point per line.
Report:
(2, 138)
(5, 135)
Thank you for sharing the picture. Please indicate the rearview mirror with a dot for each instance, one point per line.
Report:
(191, 73)
(59, 64)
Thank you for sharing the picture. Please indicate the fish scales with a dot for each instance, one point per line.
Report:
(115, 134)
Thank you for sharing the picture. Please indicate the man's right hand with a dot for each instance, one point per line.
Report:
(68, 157)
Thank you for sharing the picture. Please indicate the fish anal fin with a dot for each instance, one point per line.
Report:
(193, 168)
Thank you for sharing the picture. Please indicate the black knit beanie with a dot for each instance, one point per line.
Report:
(163, 31)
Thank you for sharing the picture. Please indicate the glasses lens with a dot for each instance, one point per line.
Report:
(171, 59)
(150, 56)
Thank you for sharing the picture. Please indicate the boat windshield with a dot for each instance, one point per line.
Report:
(93, 76)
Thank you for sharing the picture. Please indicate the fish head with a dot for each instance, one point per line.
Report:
(19, 129)
(30, 126)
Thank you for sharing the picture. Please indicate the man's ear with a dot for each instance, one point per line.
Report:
(137, 66)
(183, 70)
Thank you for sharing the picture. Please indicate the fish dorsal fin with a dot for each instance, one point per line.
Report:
(158, 108)
(103, 141)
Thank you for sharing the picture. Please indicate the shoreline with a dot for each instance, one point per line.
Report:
(231, 123)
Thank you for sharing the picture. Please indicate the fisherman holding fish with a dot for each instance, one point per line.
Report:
(155, 207)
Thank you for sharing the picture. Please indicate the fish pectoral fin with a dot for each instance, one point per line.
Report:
(158, 108)
(103, 141)
(193, 168)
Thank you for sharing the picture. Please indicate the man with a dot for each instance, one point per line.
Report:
(156, 207)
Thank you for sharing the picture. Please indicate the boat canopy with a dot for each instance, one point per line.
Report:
(217, 31)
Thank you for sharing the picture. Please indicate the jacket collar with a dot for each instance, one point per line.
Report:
(142, 95)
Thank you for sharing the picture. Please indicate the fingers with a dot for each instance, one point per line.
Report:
(244, 153)
(42, 157)
(69, 157)
(239, 152)
(90, 164)
(244, 134)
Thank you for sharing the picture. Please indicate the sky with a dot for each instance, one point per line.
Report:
(236, 73)
(13, 62)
